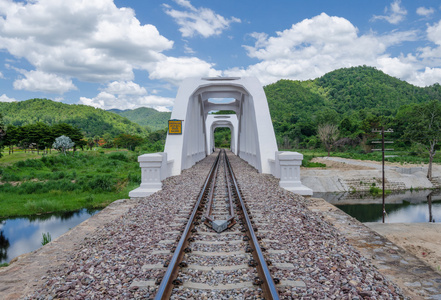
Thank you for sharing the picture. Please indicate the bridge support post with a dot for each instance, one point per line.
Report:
(290, 163)
(151, 166)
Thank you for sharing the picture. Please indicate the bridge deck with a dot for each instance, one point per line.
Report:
(119, 251)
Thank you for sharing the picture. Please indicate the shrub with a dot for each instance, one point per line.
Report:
(46, 238)
(7, 176)
(101, 184)
(119, 156)
(30, 163)
(58, 175)
(134, 177)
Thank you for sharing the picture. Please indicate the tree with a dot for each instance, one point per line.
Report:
(74, 133)
(2, 134)
(424, 127)
(12, 137)
(63, 143)
(128, 141)
(38, 135)
(90, 143)
(328, 134)
(96, 140)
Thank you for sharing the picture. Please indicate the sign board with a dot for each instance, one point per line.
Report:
(175, 127)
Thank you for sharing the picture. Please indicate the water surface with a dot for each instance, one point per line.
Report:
(25, 234)
(404, 207)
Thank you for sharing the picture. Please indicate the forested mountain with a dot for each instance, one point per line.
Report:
(144, 116)
(352, 98)
(92, 121)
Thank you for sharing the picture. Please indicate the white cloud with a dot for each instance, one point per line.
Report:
(44, 82)
(394, 15)
(125, 88)
(188, 49)
(1, 75)
(427, 77)
(202, 21)
(175, 69)
(127, 95)
(315, 46)
(425, 12)
(434, 33)
(309, 49)
(89, 40)
(4, 98)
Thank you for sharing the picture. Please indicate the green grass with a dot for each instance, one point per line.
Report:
(46, 239)
(53, 183)
(18, 155)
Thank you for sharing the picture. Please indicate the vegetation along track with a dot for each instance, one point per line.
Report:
(219, 249)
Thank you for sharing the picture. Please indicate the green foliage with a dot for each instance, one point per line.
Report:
(306, 162)
(2, 134)
(91, 121)
(46, 238)
(356, 99)
(222, 137)
(61, 183)
(119, 156)
(128, 141)
(144, 116)
(103, 183)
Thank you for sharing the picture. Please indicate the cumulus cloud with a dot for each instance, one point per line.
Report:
(44, 82)
(176, 69)
(315, 46)
(125, 88)
(127, 95)
(393, 14)
(1, 75)
(425, 12)
(90, 40)
(4, 98)
(202, 21)
(95, 41)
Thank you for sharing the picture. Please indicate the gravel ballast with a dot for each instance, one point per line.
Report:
(309, 256)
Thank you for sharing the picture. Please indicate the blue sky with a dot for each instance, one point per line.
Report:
(131, 53)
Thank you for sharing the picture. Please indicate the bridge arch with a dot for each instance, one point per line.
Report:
(256, 142)
(216, 121)
(254, 139)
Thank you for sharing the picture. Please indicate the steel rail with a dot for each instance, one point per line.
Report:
(209, 207)
(211, 192)
(230, 194)
(268, 285)
(166, 286)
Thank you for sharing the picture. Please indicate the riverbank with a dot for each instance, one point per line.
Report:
(349, 175)
(60, 183)
(28, 271)
(421, 239)
(410, 270)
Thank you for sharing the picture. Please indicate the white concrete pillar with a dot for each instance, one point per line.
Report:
(151, 165)
(290, 163)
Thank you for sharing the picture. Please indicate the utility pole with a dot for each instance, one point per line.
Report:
(382, 131)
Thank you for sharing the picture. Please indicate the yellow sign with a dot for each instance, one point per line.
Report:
(175, 127)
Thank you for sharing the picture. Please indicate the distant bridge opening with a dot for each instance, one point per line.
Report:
(222, 137)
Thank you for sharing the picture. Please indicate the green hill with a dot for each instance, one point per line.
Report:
(92, 121)
(352, 98)
(144, 116)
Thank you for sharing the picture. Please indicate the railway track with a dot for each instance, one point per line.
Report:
(218, 251)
